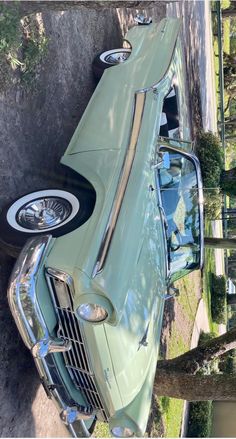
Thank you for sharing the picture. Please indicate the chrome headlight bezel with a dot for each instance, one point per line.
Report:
(92, 312)
(97, 301)
(120, 431)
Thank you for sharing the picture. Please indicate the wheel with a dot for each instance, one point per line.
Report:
(52, 211)
(108, 59)
(176, 240)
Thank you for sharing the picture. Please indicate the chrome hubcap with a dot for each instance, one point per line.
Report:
(117, 57)
(44, 213)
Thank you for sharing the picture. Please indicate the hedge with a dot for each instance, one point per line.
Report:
(200, 419)
(218, 298)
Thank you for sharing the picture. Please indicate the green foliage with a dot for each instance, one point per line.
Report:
(205, 337)
(200, 419)
(212, 366)
(227, 362)
(34, 48)
(23, 45)
(212, 203)
(218, 309)
(218, 298)
(10, 33)
(218, 284)
(211, 156)
(165, 403)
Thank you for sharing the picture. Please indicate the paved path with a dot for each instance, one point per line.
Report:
(197, 41)
(201, 323)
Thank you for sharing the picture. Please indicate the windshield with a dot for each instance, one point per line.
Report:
(180, 201)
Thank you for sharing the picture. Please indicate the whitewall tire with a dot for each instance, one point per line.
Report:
(108, 59)
(47, 211)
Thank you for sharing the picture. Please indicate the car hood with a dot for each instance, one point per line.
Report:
(132, 344)
(136, 286)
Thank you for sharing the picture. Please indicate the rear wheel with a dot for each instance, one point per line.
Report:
(108, 59)
(52, 211)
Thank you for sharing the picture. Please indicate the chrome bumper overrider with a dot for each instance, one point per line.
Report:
(32, 327)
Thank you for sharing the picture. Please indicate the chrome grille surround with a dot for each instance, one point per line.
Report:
(76, 359)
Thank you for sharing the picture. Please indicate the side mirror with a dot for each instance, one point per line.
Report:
(162, 160)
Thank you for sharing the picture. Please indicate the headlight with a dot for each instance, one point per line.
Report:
(92, 312)
(122, 432)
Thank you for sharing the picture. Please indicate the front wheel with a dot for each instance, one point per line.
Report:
(108, 59)
(52, 211)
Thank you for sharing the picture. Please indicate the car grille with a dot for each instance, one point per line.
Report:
(76, 359)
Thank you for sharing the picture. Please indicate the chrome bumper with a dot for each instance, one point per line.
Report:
(33, 329)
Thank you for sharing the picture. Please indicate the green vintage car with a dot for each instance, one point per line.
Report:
(88, 289)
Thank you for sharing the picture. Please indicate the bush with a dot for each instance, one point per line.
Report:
(23, 44)
(218, 298)
(212, 204)
(200, 419)
(218, 309)
(218, 284)
(211, 157)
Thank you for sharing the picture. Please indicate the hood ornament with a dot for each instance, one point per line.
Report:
(143, 341)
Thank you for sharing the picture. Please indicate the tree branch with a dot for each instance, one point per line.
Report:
(220, 242)
(191, 361)
(33, 6)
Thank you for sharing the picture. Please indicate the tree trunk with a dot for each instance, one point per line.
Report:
(33, 6)
(195, 387)
(178, 378)
(230, 137)
(231, 299)
(228, 181)
(229, 12)
(220, 242)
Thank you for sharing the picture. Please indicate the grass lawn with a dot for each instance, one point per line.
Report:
(209, 267)
(101, 430)
(226, 33)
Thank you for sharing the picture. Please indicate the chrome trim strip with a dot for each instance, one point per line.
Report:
(139, 104)
(21, 292)
(64, 277)
(140, 97)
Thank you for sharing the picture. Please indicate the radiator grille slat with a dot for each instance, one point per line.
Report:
(76, 359)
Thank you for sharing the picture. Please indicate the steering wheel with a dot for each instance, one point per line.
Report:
(175, 246)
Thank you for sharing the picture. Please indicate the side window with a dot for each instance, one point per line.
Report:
(169, 126)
